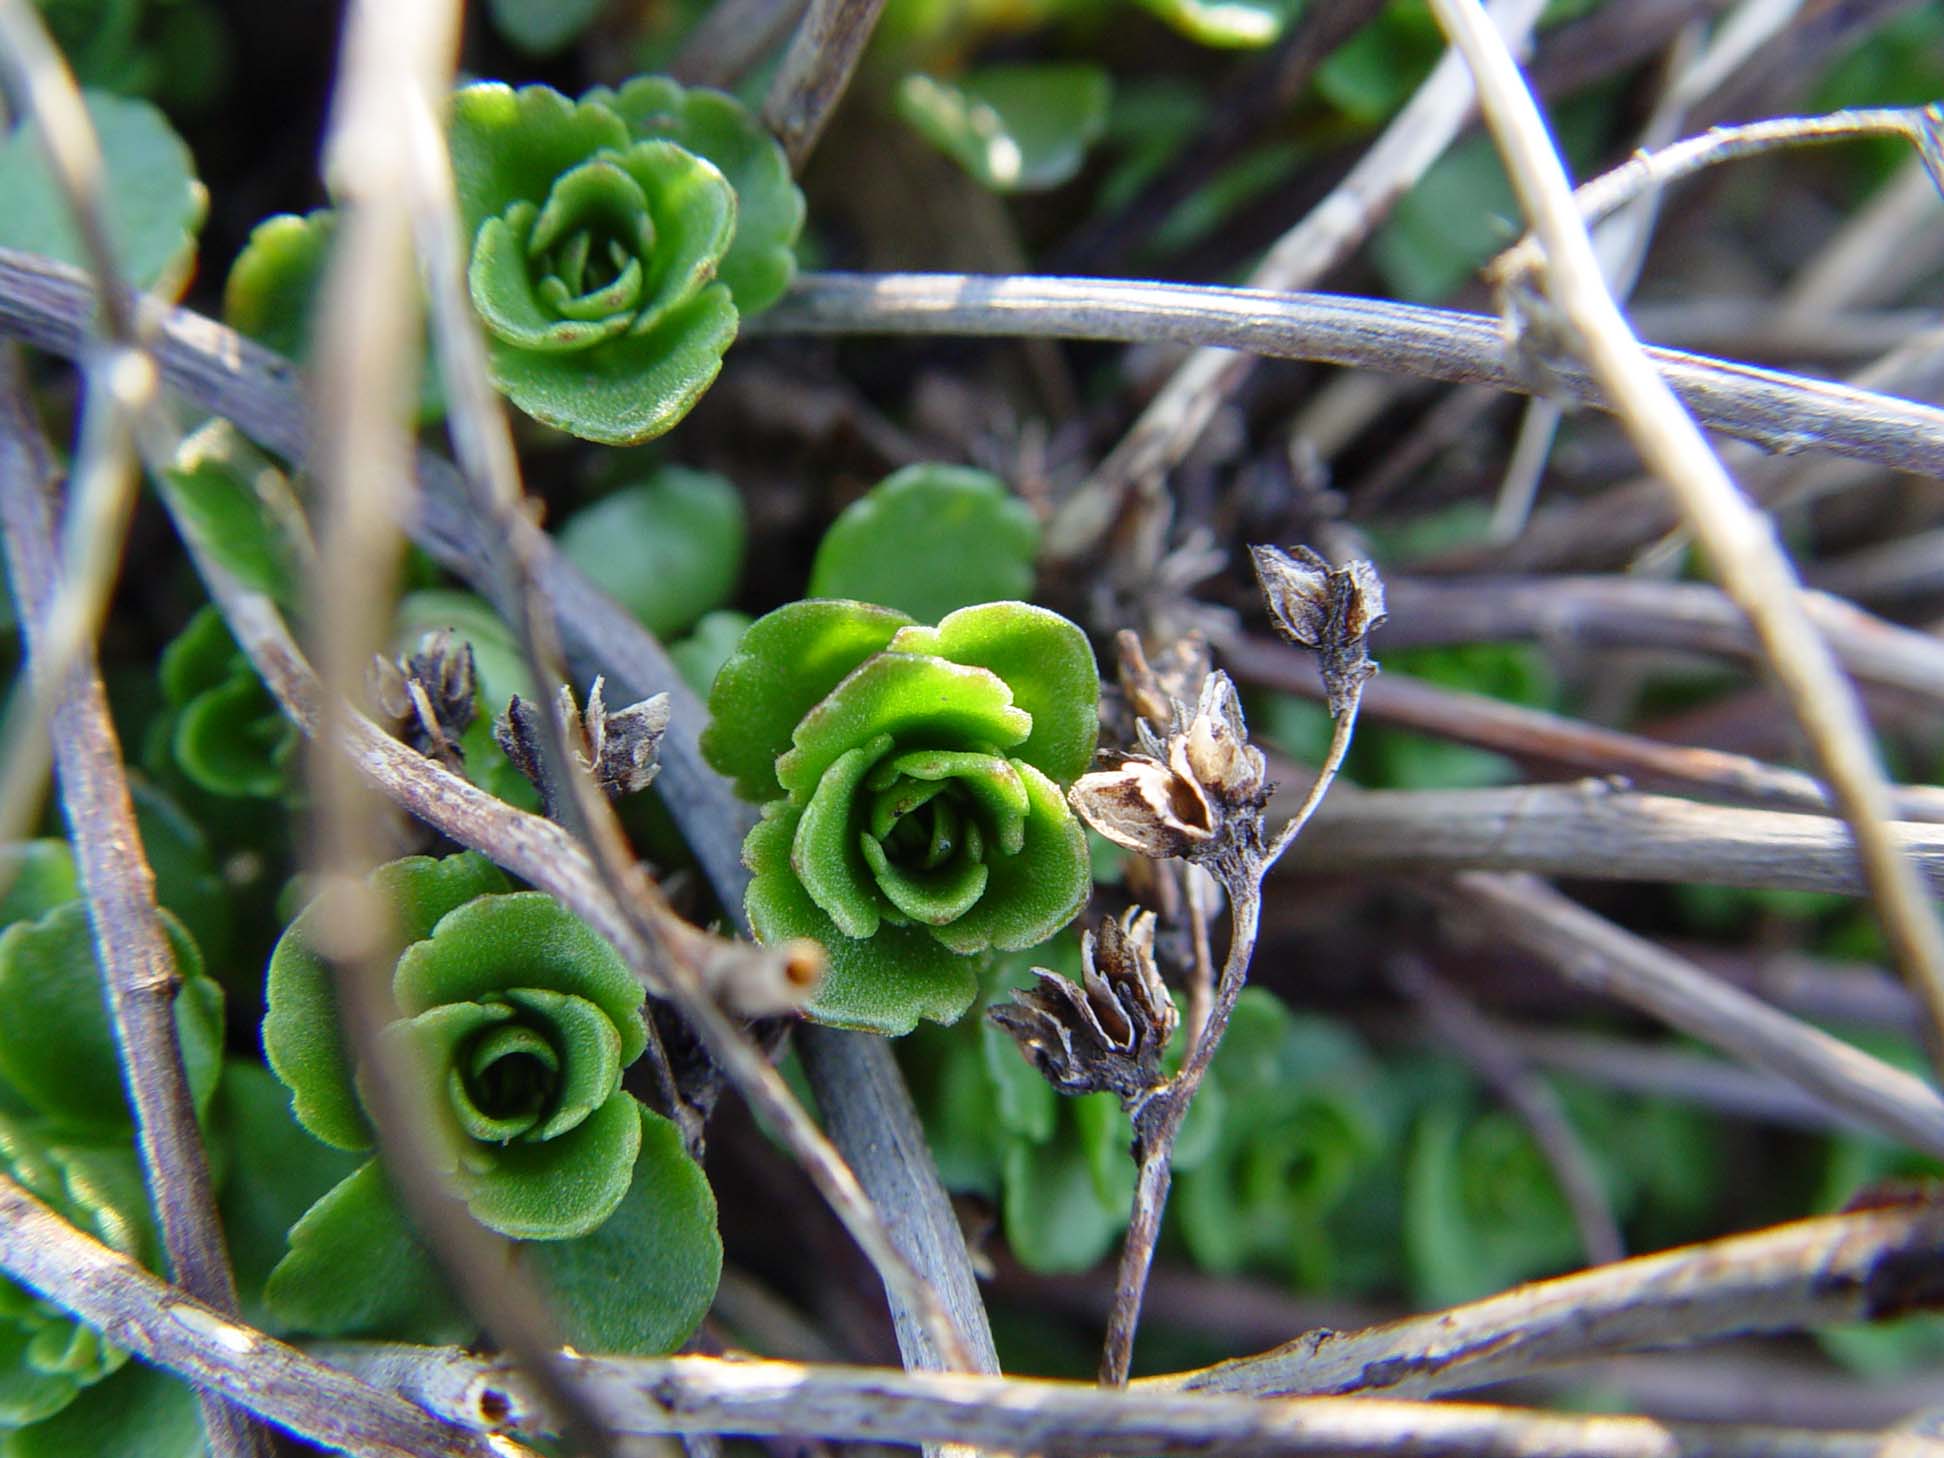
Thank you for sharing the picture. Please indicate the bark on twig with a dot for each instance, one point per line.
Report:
(828, 43)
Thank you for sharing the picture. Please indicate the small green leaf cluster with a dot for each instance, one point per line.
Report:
(518, 1022)
(176, 52)
(66, 1136)
(912, 783)
(613, 243)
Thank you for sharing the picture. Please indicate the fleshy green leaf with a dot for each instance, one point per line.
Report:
(508, 146)
(1057, 1218)
(788, 660)
(1032, 894)
(541, 27)
(520, 939)
(668, 548)
(1230, 24)
(40, 876)
(187, 882)
(57, 1046)
(301, 1038)
(212, 493)
(641, 1283)
(929, 539)
(884, 984)
(625, 390)
(1014, 128)
(277, 1172)
(700, 656)
(769, 207)
(926, 700)
(555, 1189)
(355, 1268)
(155, 204)
(139, 1412)
(1049, 666)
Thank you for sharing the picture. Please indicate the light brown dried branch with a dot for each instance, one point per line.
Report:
(809, 83)
(1809, 1273)
(215, 1352)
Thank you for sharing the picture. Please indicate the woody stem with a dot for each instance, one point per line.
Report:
(1159, 1123)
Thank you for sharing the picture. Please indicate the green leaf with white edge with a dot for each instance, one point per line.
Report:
(356, 1268)
(928, 539)
(884, 984)
(301, 1038)
(1228, 24)
(1044, 659)
(700, 656)
(787, 662)
(508, 146)
(542, 27)
(626, 390)
(761, 260)
(39, 876)
(139, 1412)
(1017, 128)
(668, 548)
(155, 205)
(57, 1045)
(216, 490)
(642, 1282)
(277, 1172)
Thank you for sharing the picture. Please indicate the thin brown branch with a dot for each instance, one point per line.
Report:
(216, 1353)
(1622, 612)
(1596, 956)
(823, 53)
(1780, 411)
(703, 1394)
(1739, 541)
(1810, 1273)
(1534, 736)
(1595, 831)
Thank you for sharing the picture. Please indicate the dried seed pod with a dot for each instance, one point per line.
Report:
(427, 698)
(1106, 1033)
(1329, 609)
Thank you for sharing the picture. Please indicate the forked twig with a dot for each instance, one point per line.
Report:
(1737, 538)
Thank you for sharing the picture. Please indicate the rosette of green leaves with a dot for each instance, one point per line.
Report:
(613, 241)
(223, 731)
(519, 1021)
(912, 783)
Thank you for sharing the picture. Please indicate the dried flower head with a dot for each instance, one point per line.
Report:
(1329, 609)
(1106, 1033)
(1155, 690)
(1196, 793)
(427, 697)
(617, 748)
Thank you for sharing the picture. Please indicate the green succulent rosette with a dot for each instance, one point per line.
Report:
(607, 258)
(912, 783)
(518, 1020)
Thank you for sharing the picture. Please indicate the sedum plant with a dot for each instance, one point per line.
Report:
(912, 782)
(519, 1022)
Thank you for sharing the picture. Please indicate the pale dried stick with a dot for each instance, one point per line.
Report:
(828, 43)
(492, 471)
(1827, 1271)
(1599, 831)
(1738, 540)
(1596, 956)
(1780, 411)
(367, 361)
(1176, 417)
(1033, 1415)
(216, 1353)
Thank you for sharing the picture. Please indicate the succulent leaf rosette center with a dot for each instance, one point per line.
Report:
(911, 779)
(518, 1021)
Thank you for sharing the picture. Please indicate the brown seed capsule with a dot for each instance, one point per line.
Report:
(426, 697)
(1143, 805)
